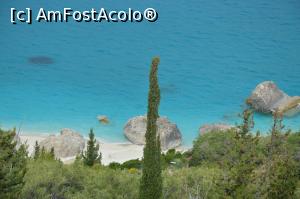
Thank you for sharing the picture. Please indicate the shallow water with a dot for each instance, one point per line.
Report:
(213, 54)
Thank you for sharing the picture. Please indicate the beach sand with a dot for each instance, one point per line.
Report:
(111, 152)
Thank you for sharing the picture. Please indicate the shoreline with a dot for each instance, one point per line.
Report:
(111, 151)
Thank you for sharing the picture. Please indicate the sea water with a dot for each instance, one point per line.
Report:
(213, 54)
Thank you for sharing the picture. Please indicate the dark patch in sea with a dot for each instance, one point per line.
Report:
(168, 89)
(41, 60)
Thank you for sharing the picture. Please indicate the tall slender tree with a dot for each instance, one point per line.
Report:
(12, 165)
(91, 155)
(52, 153)
(151, 182)
(36, 150)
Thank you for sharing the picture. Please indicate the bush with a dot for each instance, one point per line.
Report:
(130, 164)
(115, 165)
(212, 147)
(293, 142)
(51, 179)
(173, 159)
(136, 163)
(199, 182)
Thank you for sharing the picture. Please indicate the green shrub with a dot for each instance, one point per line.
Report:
(115, 165)
(212, 147)
(173, 159)
(136, 163)
(13, 161)
(293, 142)
(50, 178)
(194, 182)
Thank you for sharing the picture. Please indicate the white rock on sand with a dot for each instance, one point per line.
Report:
(170, 136)
(67, 144)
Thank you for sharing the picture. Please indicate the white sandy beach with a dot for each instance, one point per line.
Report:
(111, 152)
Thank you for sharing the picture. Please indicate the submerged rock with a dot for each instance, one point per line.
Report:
(41, 60)
(67, 144)
(214, 127)
(268, 98)
(170, 136)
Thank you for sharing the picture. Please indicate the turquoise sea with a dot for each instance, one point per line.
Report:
(213, 54)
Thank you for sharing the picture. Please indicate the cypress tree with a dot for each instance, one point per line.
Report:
(43, 153)
(52, 153)
(12, 165)
(91, 156)
(36, 150)
(151, 181)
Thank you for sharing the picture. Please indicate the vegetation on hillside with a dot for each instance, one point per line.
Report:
(237, 163)
(210, 170)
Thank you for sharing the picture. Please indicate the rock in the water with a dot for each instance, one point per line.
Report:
(170, 136)
(214, 127)
(268, 98)
(103, 119)
(67, 144)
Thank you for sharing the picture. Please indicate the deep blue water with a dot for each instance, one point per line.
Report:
(213, 54)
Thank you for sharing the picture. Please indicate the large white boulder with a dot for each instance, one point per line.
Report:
(67, 144)
(268, 98)
(170, 136)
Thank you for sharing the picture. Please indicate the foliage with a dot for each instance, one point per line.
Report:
(136, 163)
(43, 153)
(52, 153)
(91, 156)
(48, 178)
(115, 165)
(211, 148)
(36, 150)
(12, 165)
(130, 164)
(241, 160)
(151, 182)
(278, 174)
(196, 182)
(170, 159)
(252, 166)
(173, 159)
(293, 143)
(52, 179)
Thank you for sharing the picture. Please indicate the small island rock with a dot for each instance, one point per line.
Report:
(67, 144)
(268, 98)
(170, 136)
(103, 119)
